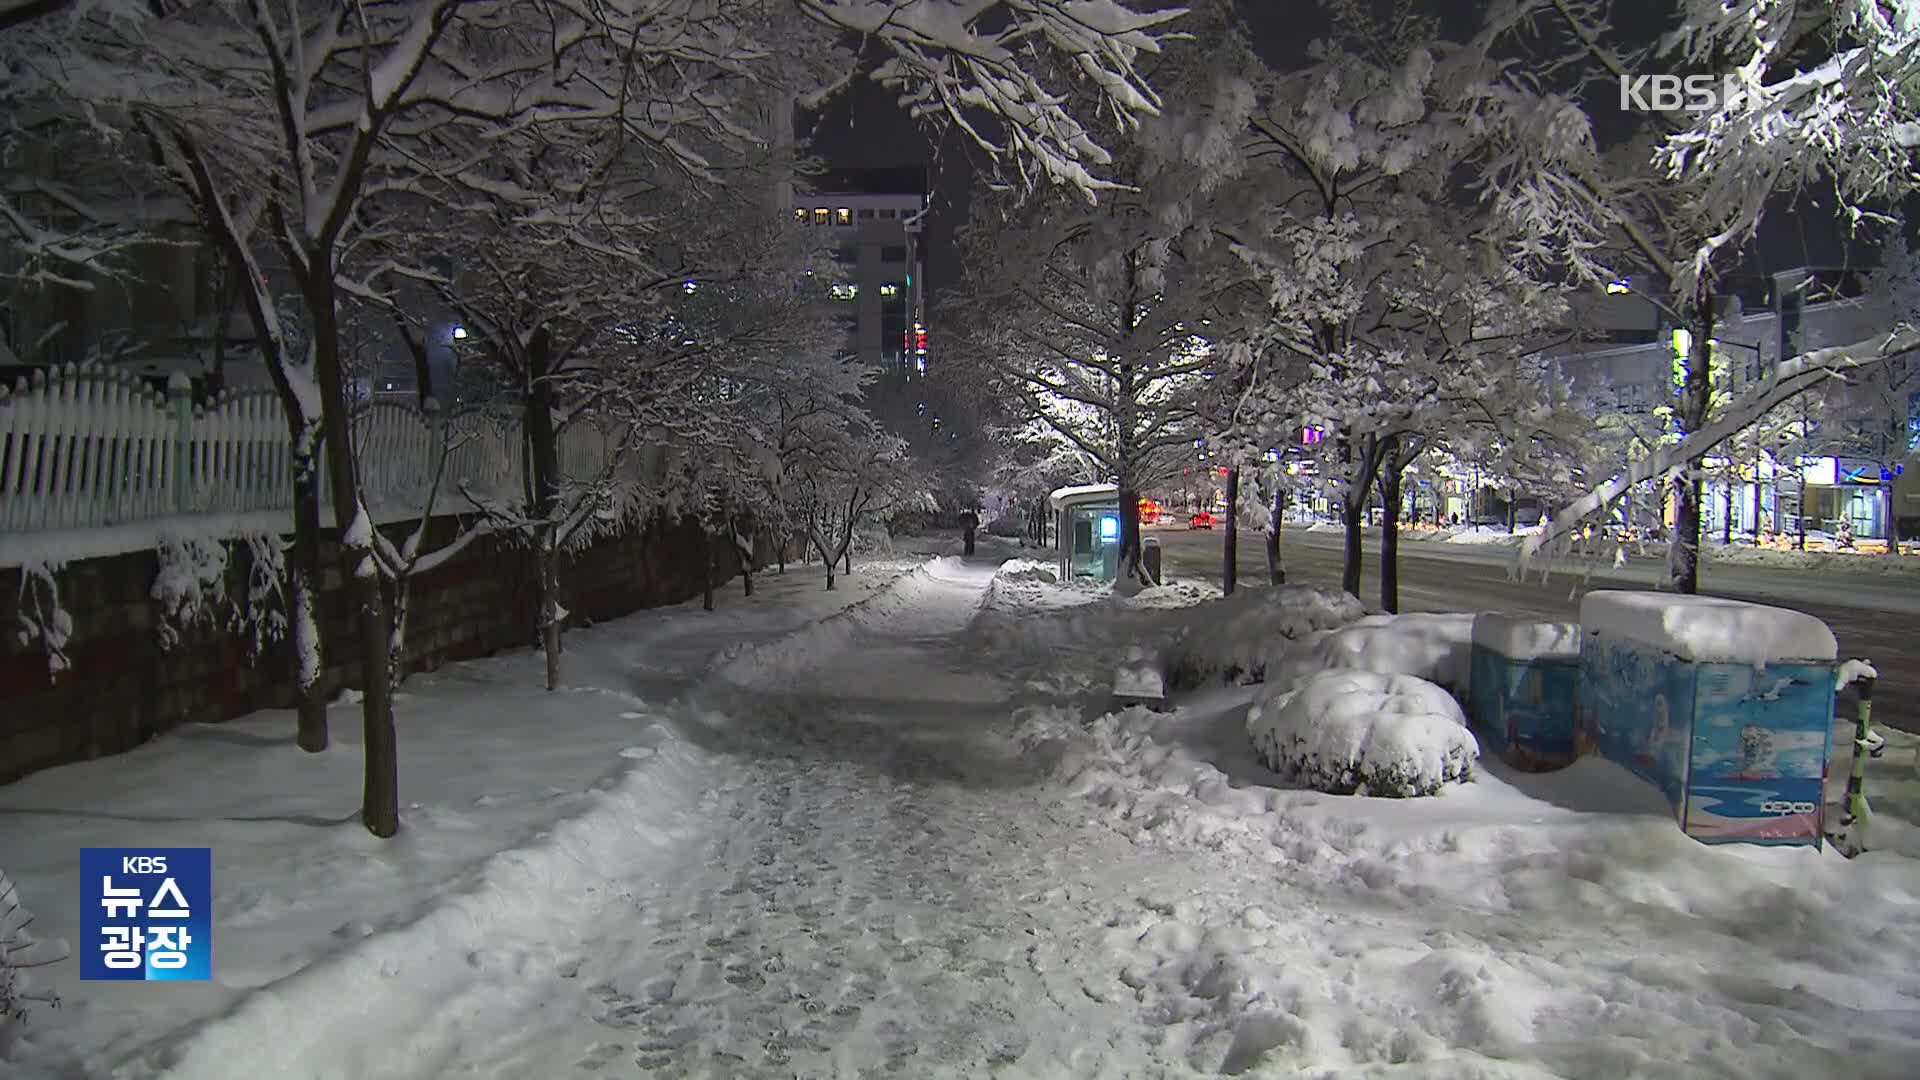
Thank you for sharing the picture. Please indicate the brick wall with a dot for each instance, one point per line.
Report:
(123, 688)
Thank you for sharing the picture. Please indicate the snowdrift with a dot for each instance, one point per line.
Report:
(1435, 647)
(1233, 639)
(1359, 732)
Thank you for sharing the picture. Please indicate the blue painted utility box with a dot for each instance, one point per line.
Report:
(1726, 707)
(1521, 692)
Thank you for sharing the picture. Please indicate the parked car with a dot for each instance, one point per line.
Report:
(1201, 520)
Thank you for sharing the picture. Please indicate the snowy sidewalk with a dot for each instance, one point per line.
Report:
(490, 763)
(878, 886)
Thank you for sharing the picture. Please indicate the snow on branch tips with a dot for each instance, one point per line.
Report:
(40, 621)
(1007, 88)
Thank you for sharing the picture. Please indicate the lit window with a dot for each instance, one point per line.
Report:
(800, 214)
(889, 289)
(844, 291)
(843, 216)
(821, 215)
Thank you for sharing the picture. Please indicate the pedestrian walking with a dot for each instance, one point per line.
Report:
(969, 524)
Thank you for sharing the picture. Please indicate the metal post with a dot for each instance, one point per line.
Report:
(1853, 825)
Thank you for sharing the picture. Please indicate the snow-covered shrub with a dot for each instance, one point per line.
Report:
(262, 618)
(1231, 639)
(1011, 528)
(1361, 732)
(871, 540)
(41, 622)
(191, 589)
(191, 586)
(19, 952)
(1436, 647)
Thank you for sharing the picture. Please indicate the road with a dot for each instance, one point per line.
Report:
(1876, 616)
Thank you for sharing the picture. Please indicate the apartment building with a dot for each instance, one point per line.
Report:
(874, 221)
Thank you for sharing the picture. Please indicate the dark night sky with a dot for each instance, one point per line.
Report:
(866, 129)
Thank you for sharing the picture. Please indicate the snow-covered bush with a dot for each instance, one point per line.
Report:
(191, 586)
(191, 589)
(1231, 640)
(18, 952)
(1437, 647)
(42, 622)
(1360, 732)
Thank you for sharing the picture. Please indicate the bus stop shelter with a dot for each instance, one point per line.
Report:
(1087, 520)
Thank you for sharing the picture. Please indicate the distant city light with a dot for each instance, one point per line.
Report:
(692, 286)
(1615, 288)
(459, 333)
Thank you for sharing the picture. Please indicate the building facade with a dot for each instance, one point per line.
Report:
(1847, 452)
(874, 221)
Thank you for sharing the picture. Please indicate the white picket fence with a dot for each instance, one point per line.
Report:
(96, 446)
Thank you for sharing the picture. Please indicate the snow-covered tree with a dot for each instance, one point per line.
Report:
(1105, 321)
(1394, 303)
(1823, 93)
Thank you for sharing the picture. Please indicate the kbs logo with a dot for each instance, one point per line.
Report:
(146, 913)
(1676, 93)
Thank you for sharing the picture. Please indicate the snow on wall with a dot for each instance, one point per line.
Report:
(1360, 732)
(1526, 639)
(1708, 629)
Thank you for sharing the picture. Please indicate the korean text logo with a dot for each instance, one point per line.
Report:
(1676, 93)
(146, 913)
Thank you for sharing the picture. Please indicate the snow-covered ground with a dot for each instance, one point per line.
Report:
(906, 837)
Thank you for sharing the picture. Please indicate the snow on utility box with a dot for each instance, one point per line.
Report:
(1522, 690)
(1726, 707)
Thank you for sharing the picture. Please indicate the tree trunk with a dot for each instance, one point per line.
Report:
(1276, 571)
(1353, 515)
(1683, 562)
(303, 596)
(1361, 462)
(1756, 500)
(1800, 541)
(397, 632)
(712, 571)
(542, 443)
(829, 558)
(551, 621)
(1893, 523)
(1726, 514)
(380, 793)
(1230, 573)
(1390, 479)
